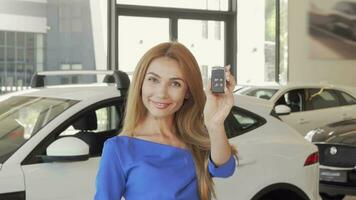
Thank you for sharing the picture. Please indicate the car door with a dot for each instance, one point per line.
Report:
(322, 106)
(310, 108)
(295, 99)
(72, 180)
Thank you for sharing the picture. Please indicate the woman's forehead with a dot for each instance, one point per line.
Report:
(165, 67)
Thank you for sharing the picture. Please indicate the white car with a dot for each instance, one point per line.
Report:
(51, 140)
(306, 106)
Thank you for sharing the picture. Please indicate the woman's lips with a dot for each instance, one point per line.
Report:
(160, 105)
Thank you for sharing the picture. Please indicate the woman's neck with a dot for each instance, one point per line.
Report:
(160, 127)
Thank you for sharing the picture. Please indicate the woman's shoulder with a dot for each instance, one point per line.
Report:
(117, 141)
(123, 143)
(142, 146)
(120, 147)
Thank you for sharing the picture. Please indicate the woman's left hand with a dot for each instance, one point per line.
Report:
(218, 106)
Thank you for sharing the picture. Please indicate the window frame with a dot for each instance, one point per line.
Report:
(173, 14)
(230, 43)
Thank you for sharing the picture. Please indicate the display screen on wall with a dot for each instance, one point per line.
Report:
(332, 29)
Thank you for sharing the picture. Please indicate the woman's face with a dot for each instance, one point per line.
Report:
(164, 87)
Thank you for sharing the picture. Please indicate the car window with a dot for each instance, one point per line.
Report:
(240, 121)
(321, 98)
(293, 99)
(106, 118)
(95, 126)
(22, 117)
(262, 93)
(348, 99)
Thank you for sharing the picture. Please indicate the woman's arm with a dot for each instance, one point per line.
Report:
(220, 147)
(216, 109)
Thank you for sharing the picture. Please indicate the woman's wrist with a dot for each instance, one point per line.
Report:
(215, 128)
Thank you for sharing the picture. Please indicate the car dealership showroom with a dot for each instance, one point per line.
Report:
(178, 99)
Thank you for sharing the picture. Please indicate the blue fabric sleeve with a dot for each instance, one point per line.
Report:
(225, 170)
(110, 180)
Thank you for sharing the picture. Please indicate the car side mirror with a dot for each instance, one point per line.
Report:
(67, 149)
(282, 110)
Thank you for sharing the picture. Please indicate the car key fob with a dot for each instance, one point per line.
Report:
(218, 79)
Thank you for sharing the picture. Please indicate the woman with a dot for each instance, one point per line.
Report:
(173, 140)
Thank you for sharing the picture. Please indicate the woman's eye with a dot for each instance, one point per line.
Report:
(153, 79)
(176, 84)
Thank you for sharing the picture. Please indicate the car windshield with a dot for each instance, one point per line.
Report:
(21, 117)
(262, 93)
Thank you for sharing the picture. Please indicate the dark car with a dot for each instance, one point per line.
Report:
(340, 19)
(337, 150)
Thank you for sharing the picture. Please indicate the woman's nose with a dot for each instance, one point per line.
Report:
(162, 91)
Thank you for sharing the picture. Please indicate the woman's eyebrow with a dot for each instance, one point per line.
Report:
(154, 74)
(174, 78)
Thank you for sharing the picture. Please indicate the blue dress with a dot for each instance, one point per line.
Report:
(138, 169)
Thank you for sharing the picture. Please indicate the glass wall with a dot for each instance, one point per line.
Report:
(136, 36)
(50, 35)
(205, 38)
(283, 49)
(270, 41)
(20, 52)
(259, 32)
(72, 35)
(262, 36)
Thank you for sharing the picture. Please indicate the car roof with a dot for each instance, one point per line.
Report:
(253, 104)
(295, 85)
(73, 92)
(105, 91)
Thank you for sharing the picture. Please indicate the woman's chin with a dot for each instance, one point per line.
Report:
(160, 113)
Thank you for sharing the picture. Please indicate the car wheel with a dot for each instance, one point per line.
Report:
(325, 196)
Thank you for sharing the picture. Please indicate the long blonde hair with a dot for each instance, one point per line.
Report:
(188, 120)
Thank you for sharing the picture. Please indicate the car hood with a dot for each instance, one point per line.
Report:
(337, 133)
